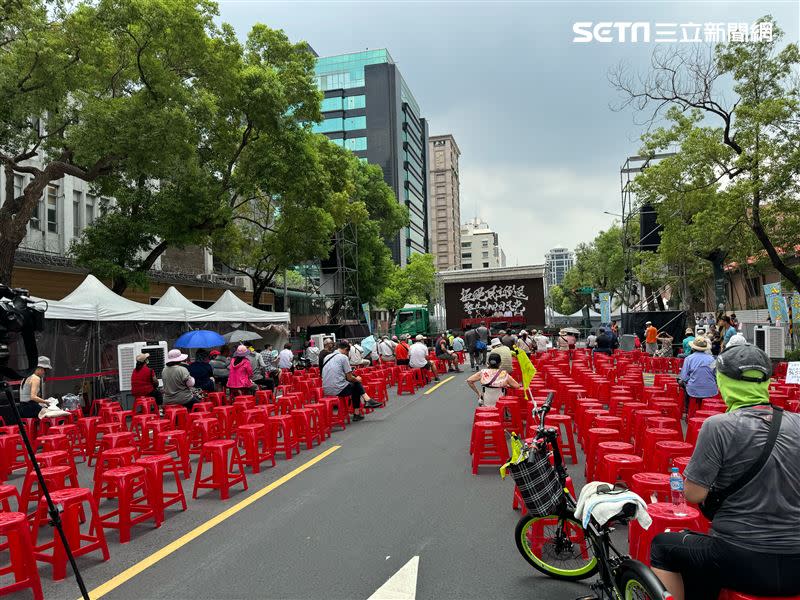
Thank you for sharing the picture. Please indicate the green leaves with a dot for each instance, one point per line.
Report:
(412, 284)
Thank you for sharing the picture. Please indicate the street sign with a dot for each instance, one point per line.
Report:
(587, 290)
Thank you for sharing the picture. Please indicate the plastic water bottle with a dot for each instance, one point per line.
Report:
(676, 491)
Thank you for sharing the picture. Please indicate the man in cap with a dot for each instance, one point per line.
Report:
(650, 338)
(386, 350)
(752, 537)
(686, 341)
(697, 375)
(504, 352)
(338, 380)
(418, 356)
(31, 393)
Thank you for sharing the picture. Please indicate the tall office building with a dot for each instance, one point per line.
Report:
(445, 202)
(557, 261)
(480, 246)
(369, 109)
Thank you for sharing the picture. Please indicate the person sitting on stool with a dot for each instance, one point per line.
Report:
(31, 392)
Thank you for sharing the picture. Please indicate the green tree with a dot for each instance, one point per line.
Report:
(95, 89)
(561, 300)
(734, 178)
(412, 284)
(600, 265)
(248, 142)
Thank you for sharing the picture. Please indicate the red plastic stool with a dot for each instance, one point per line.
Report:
(176, 441)
(322, 413)
(620, 466)
(14, 527)
(73, 435)
(155, 466)
(202, 407)
(594, 436)
(585, 424)
(263, 397)
(116, 440)
(178, 416)
(203, 430)
(664, 519)
(48, 443)
(490, 445)
(567, 445)
(666, 451)
(123, 456)
(13, 455)
(628, 410)
(681, 462)
(652, 436)
(607, 422)
(284, 428)
(600, 452)
(257, 445)
(693, 426)
(145, 404)
(55, 478)
(652, 487)
(123, 483)
(668, 409)
(662, 423)
(8, 491)
(510, 415)
(226, 415)
(335, 413)
(307, 427)
(406, 383)
(216, 398)
(138, 426)
(71, 502)
(217, 451)
(640, 425)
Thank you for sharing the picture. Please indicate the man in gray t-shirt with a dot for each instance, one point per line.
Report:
(338, 379)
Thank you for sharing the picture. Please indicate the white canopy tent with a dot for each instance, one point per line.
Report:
(236, 309)
(579, 314)
(93, 301)
(172, 298)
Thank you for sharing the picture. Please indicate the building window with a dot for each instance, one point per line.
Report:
(440, 177)
(359, 143)
(76, 214)
(52, 209)
(485, 265)
(90, 200)
(353, 102)
(466, 244)
(339, 142)
(466, 266)
(328, 125)
(484, 255)
(19, 183)
(329, 104)
(466, 255)
(353, 123)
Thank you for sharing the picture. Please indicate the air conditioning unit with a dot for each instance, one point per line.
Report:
(771, 340)
(126, 360)
(318, 337)
(242, 281)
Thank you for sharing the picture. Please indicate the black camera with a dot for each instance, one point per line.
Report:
(19, 314)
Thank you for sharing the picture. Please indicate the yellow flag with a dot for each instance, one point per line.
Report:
(526, 367)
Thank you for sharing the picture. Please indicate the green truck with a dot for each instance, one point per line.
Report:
(412, 319)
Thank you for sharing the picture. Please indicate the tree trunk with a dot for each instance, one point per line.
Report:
(7, 251)
(14, 216)
(119, 285)
(258, 290)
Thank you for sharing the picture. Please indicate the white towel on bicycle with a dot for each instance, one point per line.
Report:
(604, 505)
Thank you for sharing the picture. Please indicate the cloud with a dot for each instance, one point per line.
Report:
(534, 209)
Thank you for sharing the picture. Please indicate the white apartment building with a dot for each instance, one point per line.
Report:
(557, 261)
(480, 247)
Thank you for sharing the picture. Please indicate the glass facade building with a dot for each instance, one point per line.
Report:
(369, 109)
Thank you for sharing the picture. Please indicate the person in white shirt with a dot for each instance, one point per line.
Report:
(357, 356)
(286, 357)
(591, 340)
(386, 349)
(541, 342)
(418, 356)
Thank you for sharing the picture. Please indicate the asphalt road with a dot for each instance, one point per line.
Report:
(399, 486)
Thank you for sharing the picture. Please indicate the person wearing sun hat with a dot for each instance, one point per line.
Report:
(240, 372)
(697, 374)
(754, 542)
(178, 382)
(686, 341)
(506, 362)
(31, 392)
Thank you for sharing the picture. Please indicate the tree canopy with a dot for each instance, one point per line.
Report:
(412, 284)
(730, 191)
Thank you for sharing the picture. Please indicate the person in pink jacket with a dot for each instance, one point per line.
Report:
(240, 373)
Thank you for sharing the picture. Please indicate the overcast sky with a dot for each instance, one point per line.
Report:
(540, 148)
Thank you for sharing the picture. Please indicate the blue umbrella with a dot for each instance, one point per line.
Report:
(199, 339)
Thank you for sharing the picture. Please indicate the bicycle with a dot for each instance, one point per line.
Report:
(559, 546)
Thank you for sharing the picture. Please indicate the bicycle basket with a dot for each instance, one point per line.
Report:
(538, 483)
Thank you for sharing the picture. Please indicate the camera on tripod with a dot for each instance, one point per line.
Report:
(19, 314)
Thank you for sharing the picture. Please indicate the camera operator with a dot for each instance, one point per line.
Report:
(31, 392)
(754, 543)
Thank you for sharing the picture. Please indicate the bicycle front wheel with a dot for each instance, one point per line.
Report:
(556, 546)
(635, 581)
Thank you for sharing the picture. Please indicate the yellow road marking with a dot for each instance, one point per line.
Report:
(433, 389)
(134, 570)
